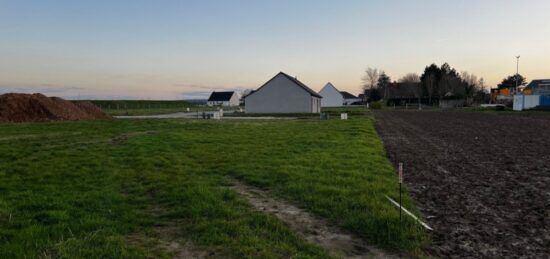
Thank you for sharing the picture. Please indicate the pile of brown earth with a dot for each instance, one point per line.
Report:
(38, 107)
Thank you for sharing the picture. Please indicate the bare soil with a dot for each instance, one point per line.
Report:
(481, 180)
(165, 238)
(38, 107)
(337, 242)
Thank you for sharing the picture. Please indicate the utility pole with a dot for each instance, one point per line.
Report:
(517, 71)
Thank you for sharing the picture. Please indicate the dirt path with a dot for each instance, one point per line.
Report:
(481, 180)
(164, 238)
(337, 242)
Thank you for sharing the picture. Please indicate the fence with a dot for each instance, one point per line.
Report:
(523, 102)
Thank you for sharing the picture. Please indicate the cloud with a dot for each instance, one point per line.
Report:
(45, 89)
(196, 95)
(211, 88)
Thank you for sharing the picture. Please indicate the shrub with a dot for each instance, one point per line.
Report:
(375, 105)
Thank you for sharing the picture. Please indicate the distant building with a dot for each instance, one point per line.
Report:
(283, 94)
(223, 99)
(501, 96)
(332, 97)
(350, 99)
(538, 87)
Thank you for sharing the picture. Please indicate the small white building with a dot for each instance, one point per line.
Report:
(283, 94)
(350, 99)
(332, 97)
(223, 99)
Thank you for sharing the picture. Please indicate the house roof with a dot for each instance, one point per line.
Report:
(329, 84)
(539, 82)
(347, 95)
(294, 80)
(220, 96)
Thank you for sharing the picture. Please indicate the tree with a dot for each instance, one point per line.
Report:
(470, 83)
(410, 78)
(373, 94)
(481, 83)
(510, 81)
(430, 80)
(446, 69)
(450, 84)
(370, 78)
(382, 84)
(411, 81)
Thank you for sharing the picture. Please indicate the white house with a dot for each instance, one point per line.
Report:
(283, 94)
(223, 99)
(332, 97)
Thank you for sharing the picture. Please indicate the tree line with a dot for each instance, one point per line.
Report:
(435, 83)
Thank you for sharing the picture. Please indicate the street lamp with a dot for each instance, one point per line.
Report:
(517, 72)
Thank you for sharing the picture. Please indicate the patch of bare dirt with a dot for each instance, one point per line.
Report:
(38, 107)
(481, 180)
(337, 242)
(165, 238)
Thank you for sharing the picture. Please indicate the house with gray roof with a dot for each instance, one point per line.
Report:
(223, 99)
(283, 94)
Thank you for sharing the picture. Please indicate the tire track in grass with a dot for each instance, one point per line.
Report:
(337, 242)
(164, 238)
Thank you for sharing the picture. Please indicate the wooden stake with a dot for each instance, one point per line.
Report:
(400, 182)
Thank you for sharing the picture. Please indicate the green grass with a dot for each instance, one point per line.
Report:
(351, 110)
(145, 107)
(83, 189)
(154, 111)
(140, 104)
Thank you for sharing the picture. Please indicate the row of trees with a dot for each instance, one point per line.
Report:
(435, 83)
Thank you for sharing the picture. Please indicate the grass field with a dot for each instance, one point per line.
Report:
(155, 111)
(146, 107)
(110, 189)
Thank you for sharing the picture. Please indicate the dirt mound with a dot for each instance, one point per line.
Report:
(38, 107)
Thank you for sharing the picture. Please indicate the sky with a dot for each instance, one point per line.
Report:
(136, 49)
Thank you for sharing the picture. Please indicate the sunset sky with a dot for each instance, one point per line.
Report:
(185, 49)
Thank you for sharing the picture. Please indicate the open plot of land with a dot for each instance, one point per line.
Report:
(147, 107)
(481, 179)
(162, 188)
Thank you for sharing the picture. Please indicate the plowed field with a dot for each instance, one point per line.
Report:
(481, 180)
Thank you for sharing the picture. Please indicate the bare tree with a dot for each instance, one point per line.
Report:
(469, 79)
(481, 84)
(370, 78)
(471, 84)
(410, 78)
(412, 82)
